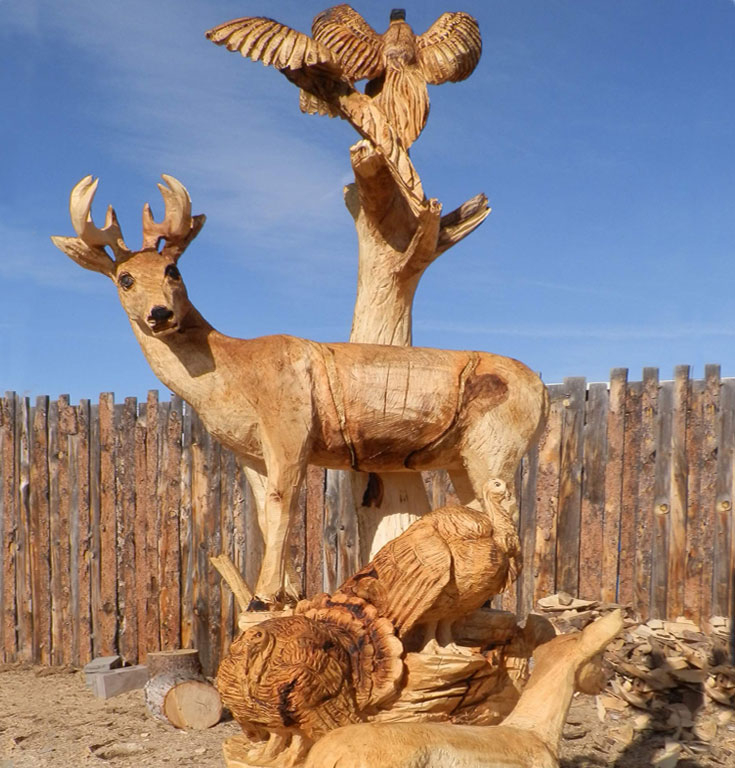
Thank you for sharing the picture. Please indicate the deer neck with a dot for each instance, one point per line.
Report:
(187, 361)
(544, 704)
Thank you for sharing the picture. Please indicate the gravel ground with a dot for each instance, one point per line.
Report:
(49, 719)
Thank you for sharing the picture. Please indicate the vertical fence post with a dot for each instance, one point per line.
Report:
(570, 487)
(613, 479)
(592, 516)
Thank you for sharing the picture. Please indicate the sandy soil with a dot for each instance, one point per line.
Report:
(49, 719)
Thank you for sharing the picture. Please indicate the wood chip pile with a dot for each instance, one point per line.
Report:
(672, 678)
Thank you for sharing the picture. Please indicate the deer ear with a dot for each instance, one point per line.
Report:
(90, 258)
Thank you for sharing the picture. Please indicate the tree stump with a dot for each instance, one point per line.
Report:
(177, 692)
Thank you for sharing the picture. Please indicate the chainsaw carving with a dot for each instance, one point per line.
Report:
(398, 63)
(400, 232)
(444, 566)
(292, 679)
(528, 738)
(280, 402)
(340, 659)
(345, 49)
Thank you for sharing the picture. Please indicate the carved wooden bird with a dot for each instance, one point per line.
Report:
(299, 676)
(345, 48)
(398, 63)
(445, 565)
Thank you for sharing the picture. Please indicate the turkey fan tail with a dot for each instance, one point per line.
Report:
(375, 651)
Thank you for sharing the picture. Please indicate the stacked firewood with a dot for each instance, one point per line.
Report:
(670, 677)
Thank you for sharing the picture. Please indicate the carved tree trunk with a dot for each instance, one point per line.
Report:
(398, 237)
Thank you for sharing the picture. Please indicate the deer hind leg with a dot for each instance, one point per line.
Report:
(279, 511)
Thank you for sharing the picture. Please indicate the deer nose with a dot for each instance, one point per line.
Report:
(160, 314)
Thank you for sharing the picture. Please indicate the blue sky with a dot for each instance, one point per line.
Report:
(602, 131)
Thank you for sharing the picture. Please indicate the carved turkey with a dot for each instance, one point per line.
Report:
(398, 63)
(345, 49)
(297, 677)
(445, 565)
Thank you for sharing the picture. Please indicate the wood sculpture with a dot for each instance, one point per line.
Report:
(444, 566)
(340, 658)
(280, 402)
(398, 63)
(528, 738)
(400, 232)
(290, 680)
(344, 49)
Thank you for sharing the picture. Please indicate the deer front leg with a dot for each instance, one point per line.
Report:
(281, 498)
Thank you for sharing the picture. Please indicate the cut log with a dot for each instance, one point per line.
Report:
(182, 701)
(193, 704)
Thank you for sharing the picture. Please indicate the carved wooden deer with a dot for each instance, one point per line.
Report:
(281, 403)
(528, 738)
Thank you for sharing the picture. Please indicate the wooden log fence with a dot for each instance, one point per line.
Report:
(109, 513)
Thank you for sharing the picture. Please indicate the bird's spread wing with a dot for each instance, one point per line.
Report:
(450, 48)
(352, 41)
(273, 43)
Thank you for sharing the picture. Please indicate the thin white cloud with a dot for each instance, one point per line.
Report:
(166, 100)
(30, 256)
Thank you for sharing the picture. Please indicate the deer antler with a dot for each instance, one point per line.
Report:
(178, 227)
(80, 204)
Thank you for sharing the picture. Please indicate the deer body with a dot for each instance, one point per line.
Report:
(528, 738)
(281, 402)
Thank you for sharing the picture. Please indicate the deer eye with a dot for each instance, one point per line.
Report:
(172, 271)
(126, 280)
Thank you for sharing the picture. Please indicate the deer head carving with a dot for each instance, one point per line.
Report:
(148, 281)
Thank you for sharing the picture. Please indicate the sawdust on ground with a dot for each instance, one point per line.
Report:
(49, 719)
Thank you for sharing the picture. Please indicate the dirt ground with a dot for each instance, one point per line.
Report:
(49, 719)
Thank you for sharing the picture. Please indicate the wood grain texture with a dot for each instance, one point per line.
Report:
(592, 515)
(661, 512)
(126, 417)
(676, 548)
(170, 546)
(570, 486)
(547, 497)
(528, 531)
(40, 537)
(153, 522)
(722, 573)
(644, 523)
(84, 528)
(65, 422)
(140, 527)
(95, 576)
(613, 479)
(10, 523)
(229, 509)
(315, 488)
(107, 527)
(186, 532)
(629, 502)
(55, 535)
(708, 486)
(23, 594)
